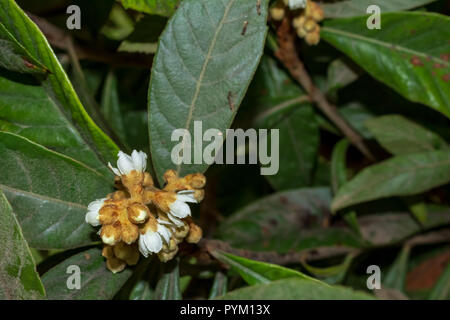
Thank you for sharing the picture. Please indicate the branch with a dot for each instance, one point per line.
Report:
(289, 57)
(60, 39)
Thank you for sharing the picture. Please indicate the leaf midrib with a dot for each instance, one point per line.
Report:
(202, 72)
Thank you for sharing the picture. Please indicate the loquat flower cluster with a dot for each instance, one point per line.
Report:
(139, 217)
(305, 21)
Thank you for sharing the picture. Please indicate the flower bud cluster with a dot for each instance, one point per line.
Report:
(305, 22)
(142, 218)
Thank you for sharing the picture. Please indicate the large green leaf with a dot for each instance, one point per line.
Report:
(295, 289)
(160, 7)
(110, 106)
(56, 84)
(13, 56)
(393, 227)
(399, 135)
(284, 106)
(201, 71)
(96, 282)
(396, 275)
(399, 176)
(220, 285)
(285, 222)
(168, 286)
(339, 177)
(18, 276)
(26, 110)
(409, 53)
(349, 8)
(255, 272)
(49, 192)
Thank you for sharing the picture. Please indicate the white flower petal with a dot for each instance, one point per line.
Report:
(152, 241)
(186, 196)
(115, 170)
(179, 209)
(92, 217)
(164, 232)
(164, 222)
(139, 160)
(297, 4)
(125, 163)
(175, 220)
(96, 205)
(142, 247)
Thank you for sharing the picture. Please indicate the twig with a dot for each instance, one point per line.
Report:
(289, 57)
(60, 39)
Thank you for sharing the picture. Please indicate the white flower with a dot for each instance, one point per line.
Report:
(296, 4)
(125, 164)
(152, 241)
(179, 209)
(92, 216)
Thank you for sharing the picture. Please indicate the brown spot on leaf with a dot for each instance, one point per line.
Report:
(413, 32)
(87, 256)
(415, 60)
(438, 65)
(446, 77)
(445, 56)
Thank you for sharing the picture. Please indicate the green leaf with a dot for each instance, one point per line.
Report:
(56, 84)
(396, 276)
(219, 287)
(286, 222)
(26, 110)
(142, 291)
(49, 193)
(110, 106)
(333, 274)
(393, 227)
(97, 282)
(340, 74)
(409, 45)
(284, 106)
(295, 289)
(255, 272)
(399, 135)
(203, 66)
(168, 286)
(349, 8)
(441, 289)
(338, 164)
(18, 276)
(417, 207)
(161, 7)
(14, 57)
(399, 176)
(339, 178)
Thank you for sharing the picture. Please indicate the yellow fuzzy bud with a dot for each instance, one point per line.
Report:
(277, 13)
(298, 22)
(313, 38)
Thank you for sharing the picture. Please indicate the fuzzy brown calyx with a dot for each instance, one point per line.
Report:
(194, 181)
(120, 255)
(118, 222)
